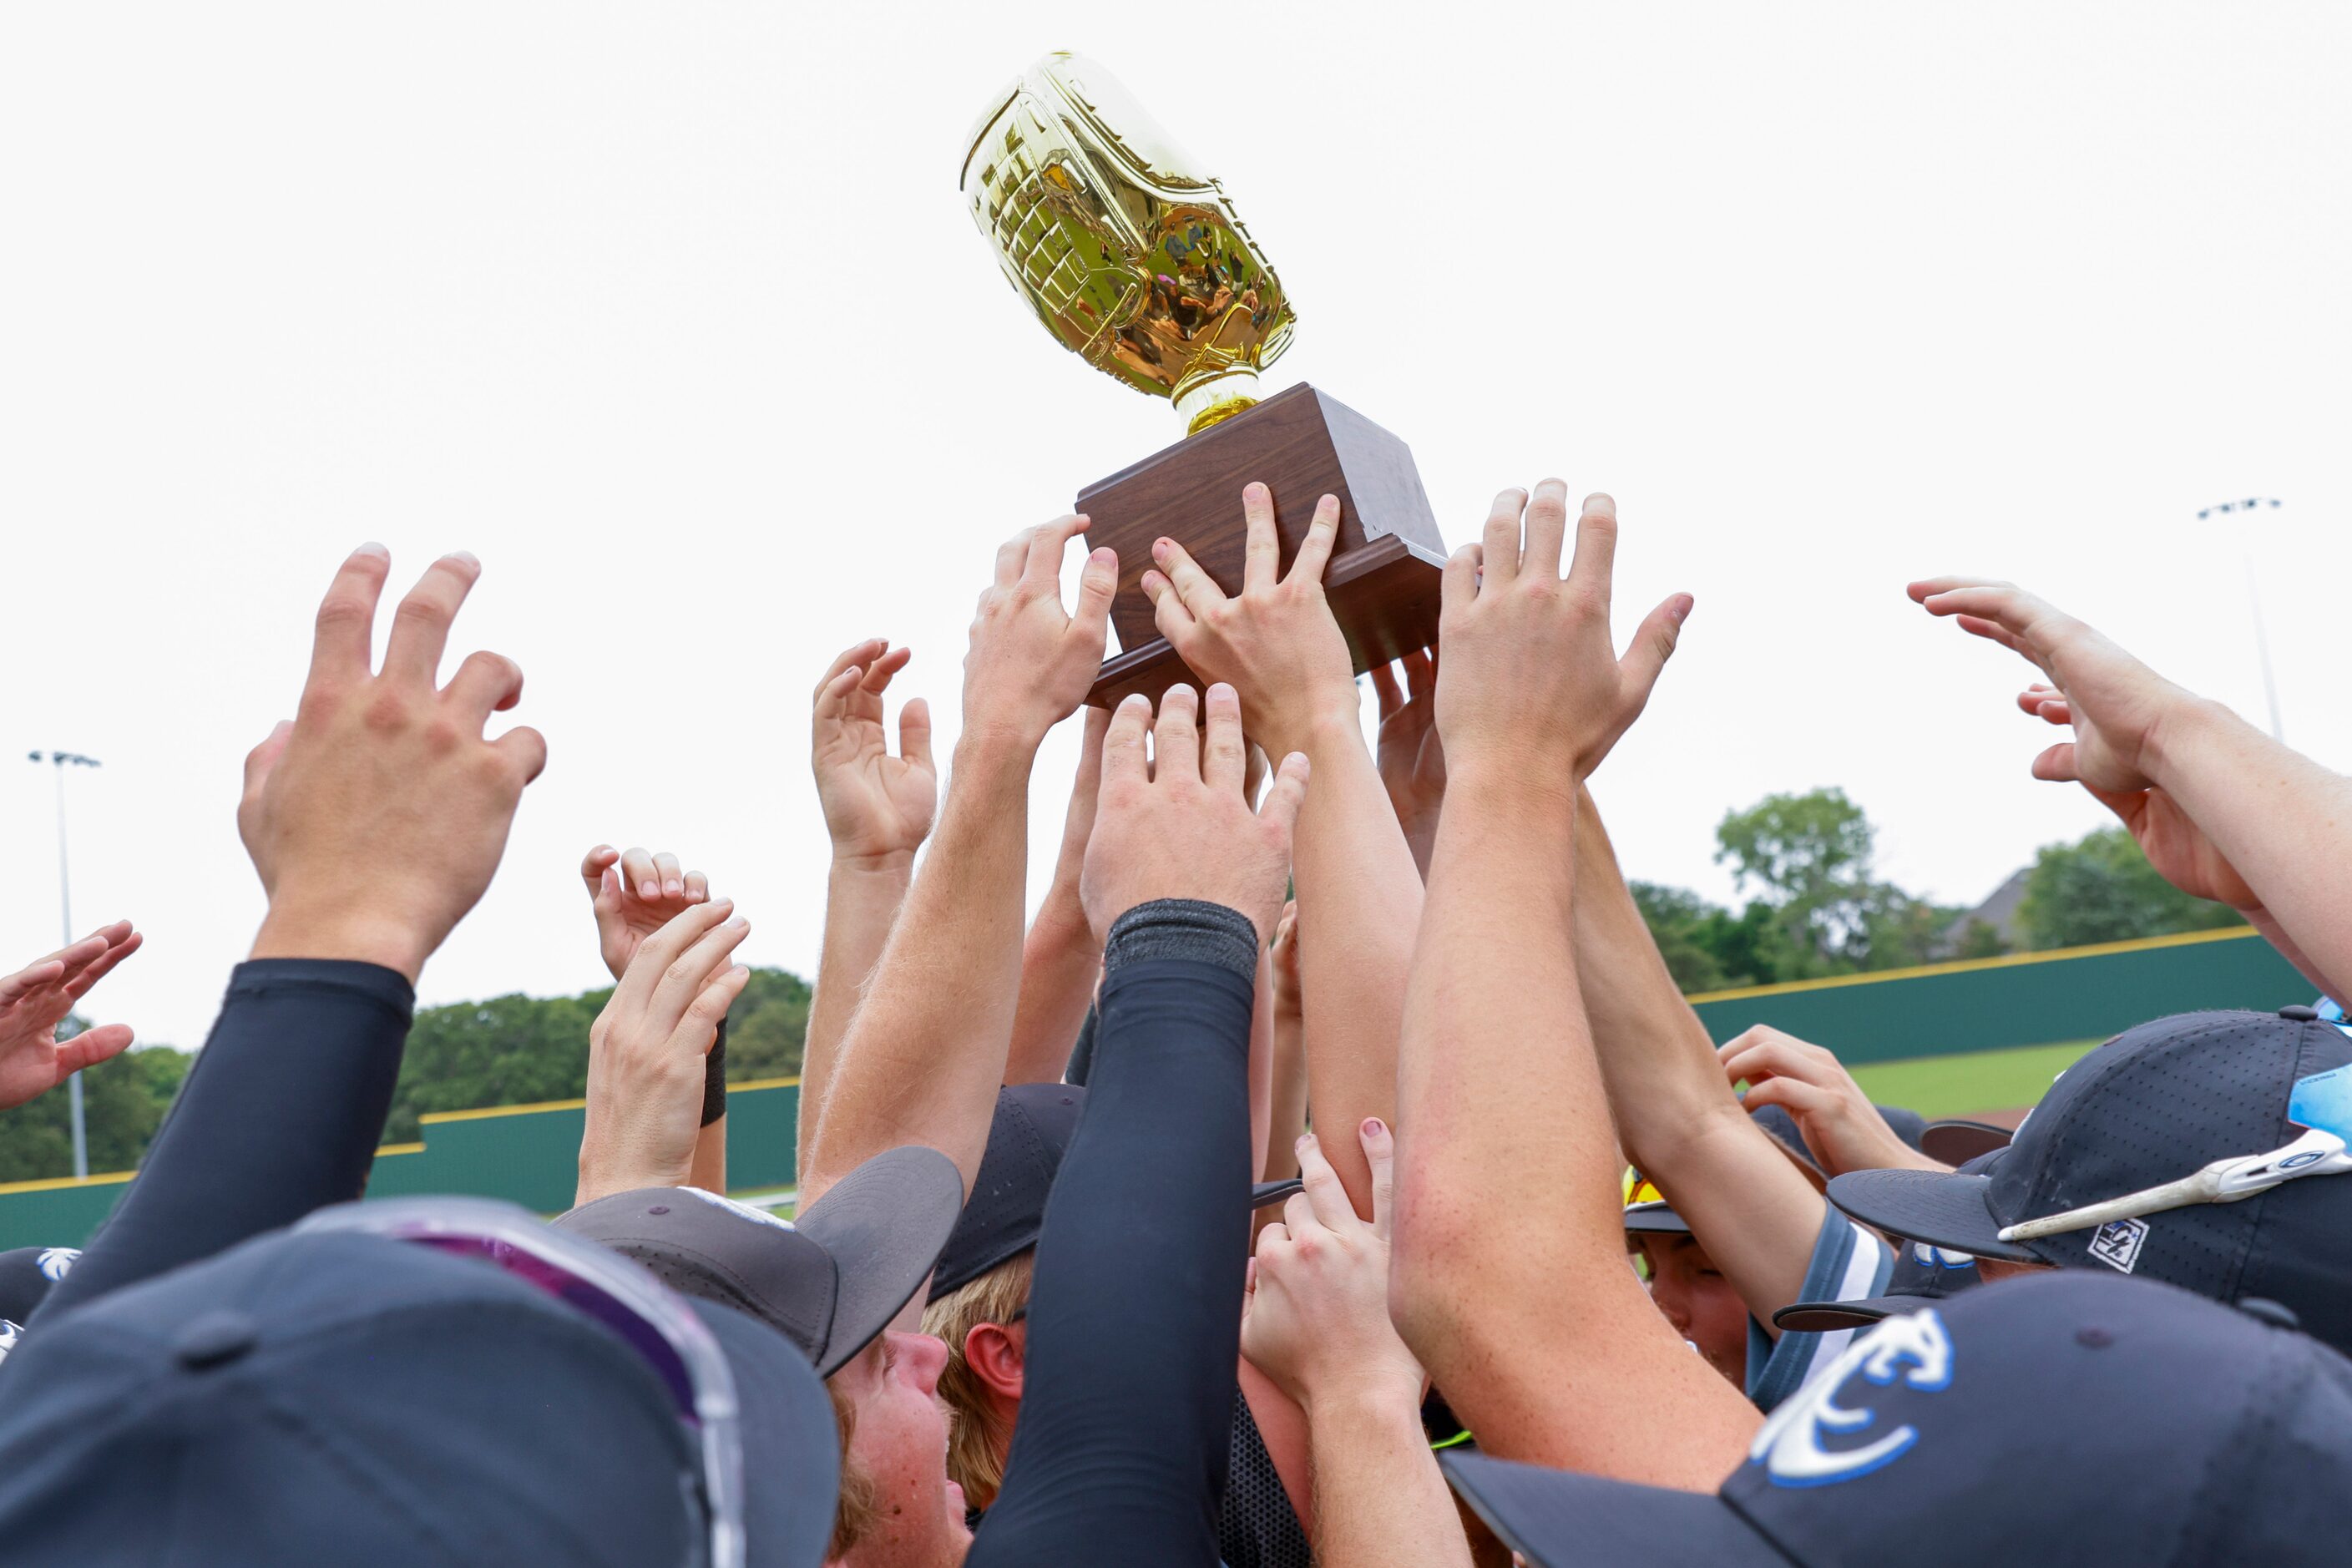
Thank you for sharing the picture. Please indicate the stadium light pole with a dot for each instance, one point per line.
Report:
(2254, 598)
(62, 761)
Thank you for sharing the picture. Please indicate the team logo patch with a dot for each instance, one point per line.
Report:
(1941, 1257)
(8, 1334)
(55, 1261)
(2116, 1243)
(1913, 1346)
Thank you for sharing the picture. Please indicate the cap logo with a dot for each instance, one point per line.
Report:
(8, 1333)
(55, 1261)
(1941, 1257)
(1913, 1346)
(741, 1210)
(2117, 1244)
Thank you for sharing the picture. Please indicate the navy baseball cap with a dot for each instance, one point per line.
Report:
(345, 1398)
(2165, 1429)
(26, 1275)
(2153, 1105)
(1921, 1274)
(1027, 1137)
(830, 1279)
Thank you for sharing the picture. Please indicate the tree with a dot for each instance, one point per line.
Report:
(2102, 888)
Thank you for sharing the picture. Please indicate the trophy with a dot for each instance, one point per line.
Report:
(1139, 266)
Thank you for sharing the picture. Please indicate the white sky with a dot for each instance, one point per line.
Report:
(673, 315)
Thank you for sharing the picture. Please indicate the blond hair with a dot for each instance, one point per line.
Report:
(977, 1438)
(860, 1506)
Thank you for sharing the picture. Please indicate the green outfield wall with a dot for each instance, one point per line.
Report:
(528, 1154)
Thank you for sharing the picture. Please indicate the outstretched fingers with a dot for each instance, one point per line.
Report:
(1224, 755)
(92, 1047)
(1261, 558)
(1124, 759)
(346, 624)
(1176, 738)
(1289, 792)
(420, 626)
(1499, 543)
(1315, 550)
(1596, 544)
(1546, 529)
(1654, 643)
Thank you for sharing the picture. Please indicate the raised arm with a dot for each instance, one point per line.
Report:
(925, 1054)
(1060, 960)
(1118, 1454)
(2221, 809)
(878, 810)
(1358, 890)
(375, 819)
(1508, 1279)
(1754, 1211)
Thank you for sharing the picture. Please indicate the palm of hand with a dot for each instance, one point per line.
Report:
(625, 920)
(2180, 851)
(874, 803)
(29, 1064)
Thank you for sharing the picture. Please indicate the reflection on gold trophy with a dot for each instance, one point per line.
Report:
(1137, 264)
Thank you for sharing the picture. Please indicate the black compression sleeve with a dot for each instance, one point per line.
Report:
(280, 1114)
(714, 1077)
(1134, 1317)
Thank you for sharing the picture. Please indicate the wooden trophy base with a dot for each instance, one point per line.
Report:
(1385, 568)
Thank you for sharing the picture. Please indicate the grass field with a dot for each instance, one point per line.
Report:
(1970, 1084)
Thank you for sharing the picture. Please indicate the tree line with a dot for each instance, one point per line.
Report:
(1814, 905)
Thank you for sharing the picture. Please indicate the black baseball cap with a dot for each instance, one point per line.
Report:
(1027, 1136)
(2153, 1105)
(344, 1398)
(1921, 1274)
(829, 1279)
(2165, 1428)
(26, 1275)
(1956, 1141)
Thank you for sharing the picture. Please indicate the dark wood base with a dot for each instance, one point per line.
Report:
(1386, 565)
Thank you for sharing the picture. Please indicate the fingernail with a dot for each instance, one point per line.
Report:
(649, 890)
(1374, 1127)
(373, 548)
(467, 556)
(1106, 558)
(738, 924)
(1255, 491)
(1600, 504)
(1306, 1139)
(1682, 606)
(1160, 550)
(673, 888)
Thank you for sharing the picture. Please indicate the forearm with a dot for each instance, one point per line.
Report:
(924, 1057)
(1146, 1245)
(2275, 934)
(1497, 1290)
(1060, 960)
(861, 900)
(2282, 819)
(1287, 1115)
(1380, 1497)
(280, 1115)
(1359, 903)
(1675, 1111)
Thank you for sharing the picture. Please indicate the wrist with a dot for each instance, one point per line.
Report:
(2184, 725)
(988, 750)
(1381, 1396)
(887, 864)
(1539, 792)
(293, 930)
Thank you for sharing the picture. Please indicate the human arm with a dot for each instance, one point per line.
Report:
(633, 895)
(35, 999)
(1118, 1455)
(2166, 760)
(1287, 1120)
(1317, 1323)
(375, 819)
(1508, 1260)
(1756, 1214)
(1411, 762)
(1358, 890)
(878, 810)
(1060, 959)
(925, 1056)
(1841, 1126)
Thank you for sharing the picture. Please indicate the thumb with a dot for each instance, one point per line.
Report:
(1653, 642)
(263, 759)
(915, 734)
(1289, 792)
(2057, 764)
(1096, 583)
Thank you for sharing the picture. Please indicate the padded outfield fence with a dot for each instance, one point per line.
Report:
(529, 1153)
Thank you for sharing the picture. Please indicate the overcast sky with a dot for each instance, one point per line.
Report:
(674, 316)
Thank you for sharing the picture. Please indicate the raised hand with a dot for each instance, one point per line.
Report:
(1276, 642)
(1317, 1318)
(646, 1051)
(1031, 662)
(2173, 844)
(377, 817)
(635, 895)
(1841, 1126)
(35, 999)
(1412, 760)
(1177, 824)
(2114, 702)
(876, 806)
(1530, 681)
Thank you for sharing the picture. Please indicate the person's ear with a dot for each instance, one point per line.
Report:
(998, 1355)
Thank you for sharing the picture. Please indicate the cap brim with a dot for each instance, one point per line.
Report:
(1558, 1518)
(1265, 1192)
(1828, 1317)
(1655, 1219)
(791, 1448)
(1943, 1209)
(1957, 1142)
(884, 1226)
